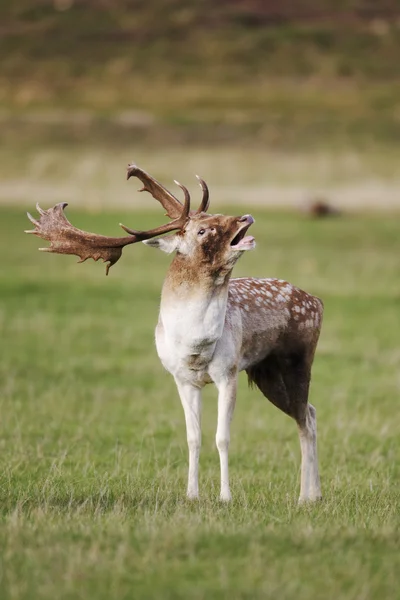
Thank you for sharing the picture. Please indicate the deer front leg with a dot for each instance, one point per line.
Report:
(226, 406)
(191, 401)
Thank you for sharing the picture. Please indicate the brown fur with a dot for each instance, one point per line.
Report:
(208, 263)
(290, 320)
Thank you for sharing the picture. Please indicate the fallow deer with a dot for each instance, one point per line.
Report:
(211, 326)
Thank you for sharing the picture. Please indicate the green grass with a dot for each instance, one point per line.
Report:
(93, 450)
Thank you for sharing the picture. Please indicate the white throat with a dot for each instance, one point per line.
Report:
(195, 321)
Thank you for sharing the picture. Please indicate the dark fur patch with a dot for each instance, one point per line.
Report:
(214, 247)
(284, 379)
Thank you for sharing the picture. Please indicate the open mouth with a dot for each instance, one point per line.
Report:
(241, 241)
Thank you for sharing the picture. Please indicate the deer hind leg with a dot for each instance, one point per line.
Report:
(191, 401)
(285, 381)
(310, 487)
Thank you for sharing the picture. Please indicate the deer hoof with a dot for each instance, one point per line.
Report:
(192, 495)
(308, 500)
(225, 496)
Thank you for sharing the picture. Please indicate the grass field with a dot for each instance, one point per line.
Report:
(93, 448)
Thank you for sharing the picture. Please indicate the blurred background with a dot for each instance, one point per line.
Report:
(275, 103)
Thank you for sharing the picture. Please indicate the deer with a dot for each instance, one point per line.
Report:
(212, 326)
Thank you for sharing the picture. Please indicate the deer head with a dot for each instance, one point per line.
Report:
(214, 240)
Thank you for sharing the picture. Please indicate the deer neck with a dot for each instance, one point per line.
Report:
(194, 301)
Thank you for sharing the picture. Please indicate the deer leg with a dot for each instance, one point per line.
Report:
(226, 406)
(191, 401)
(310, 487)
(296, 371)
(285, 381)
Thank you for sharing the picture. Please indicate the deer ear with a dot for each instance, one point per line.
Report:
(167, 244)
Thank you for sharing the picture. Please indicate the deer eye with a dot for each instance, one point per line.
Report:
(201, 232)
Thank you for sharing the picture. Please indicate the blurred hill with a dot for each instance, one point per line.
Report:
(286, 74)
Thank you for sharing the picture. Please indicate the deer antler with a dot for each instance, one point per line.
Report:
(158, 191)
(178, 223)
(171, 204)
(64, 238)
(205, 200)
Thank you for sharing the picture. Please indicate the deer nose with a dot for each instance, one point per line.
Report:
(246, 218)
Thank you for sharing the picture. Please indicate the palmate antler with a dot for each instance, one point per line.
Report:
(65, 238)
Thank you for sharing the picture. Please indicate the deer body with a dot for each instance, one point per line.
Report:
(210, 326)
(235, 327)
